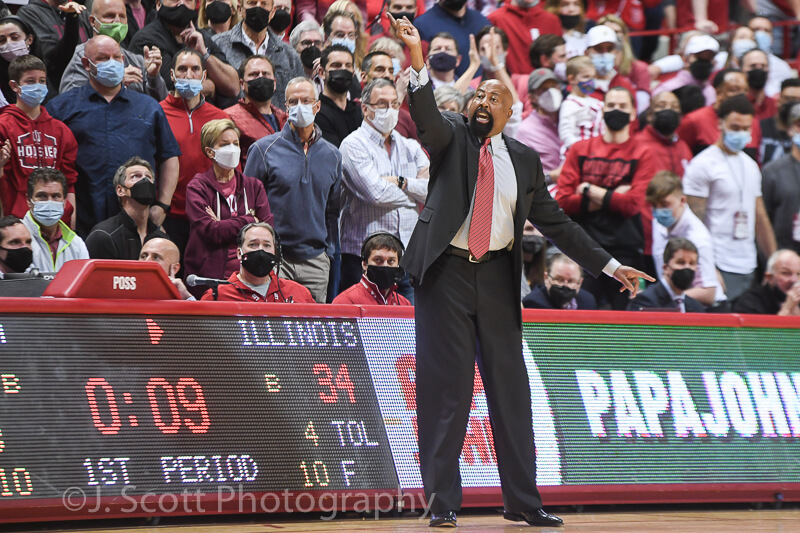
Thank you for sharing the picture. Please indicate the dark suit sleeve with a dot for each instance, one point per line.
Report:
(435, 131)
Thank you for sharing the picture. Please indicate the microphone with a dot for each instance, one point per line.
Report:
(193, 281)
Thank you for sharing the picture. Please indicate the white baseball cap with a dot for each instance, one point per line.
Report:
(701, 43)
(601, 34)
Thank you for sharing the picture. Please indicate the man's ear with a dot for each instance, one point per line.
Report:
(364, 266)
(173, 269)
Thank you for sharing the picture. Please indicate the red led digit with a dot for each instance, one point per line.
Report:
(326, 382)
(198, 405)
(116, 422)
(343, 382)
(154, 384)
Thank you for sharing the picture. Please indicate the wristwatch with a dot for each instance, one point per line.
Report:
(401, 182)
(166, 207)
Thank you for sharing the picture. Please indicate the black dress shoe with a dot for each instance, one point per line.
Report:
(446, 519)
(535, 518)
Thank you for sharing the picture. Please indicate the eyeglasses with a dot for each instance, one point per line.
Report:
(307, 101)
(385, 105)
(311, 42)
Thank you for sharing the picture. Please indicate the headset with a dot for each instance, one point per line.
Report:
(278, 251)
(381, 234)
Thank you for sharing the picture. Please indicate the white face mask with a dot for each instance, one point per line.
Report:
(228, 156)
(550, 100)
(385, 119)
(560, 70)
(301, 115)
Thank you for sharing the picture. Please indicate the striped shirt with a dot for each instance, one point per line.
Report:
(579, 118)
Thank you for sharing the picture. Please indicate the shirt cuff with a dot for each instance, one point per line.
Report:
(419, 79)
(611, 267)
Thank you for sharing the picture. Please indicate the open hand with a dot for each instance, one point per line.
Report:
(72, 7)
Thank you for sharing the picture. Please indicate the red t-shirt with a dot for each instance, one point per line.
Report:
(367, 293)
(767, 109)
(522, 26)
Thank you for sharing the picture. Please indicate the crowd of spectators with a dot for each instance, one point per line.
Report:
(268, 143)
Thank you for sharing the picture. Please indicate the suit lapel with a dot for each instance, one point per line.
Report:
(473, 154)
(519, 173)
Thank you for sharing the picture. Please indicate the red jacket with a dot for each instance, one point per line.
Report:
(367, 293)
(767, 109)
(44, 142)
(186, 126)
(631, 11)
(280, 290)
(669, 154)
(252, 124)
(521, 25)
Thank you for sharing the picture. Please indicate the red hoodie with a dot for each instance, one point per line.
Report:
(522, 26)
(44, 142)
(186, 126)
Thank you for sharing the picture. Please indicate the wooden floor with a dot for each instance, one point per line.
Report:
(673, 521)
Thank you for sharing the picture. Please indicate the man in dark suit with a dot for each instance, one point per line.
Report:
(561, 288)
(680, 267)
(466, 265)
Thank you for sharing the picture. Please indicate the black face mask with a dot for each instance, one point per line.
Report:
(259, 263)
(561, 295)
(260, 89)
(616, 120)
(280, 21)
(309, 55)
(339, 80)
(218, 12)
(407, 14)
(143, 192)
(256, 18)
(666, 121)
(757, 79)
(569, 21)
(384, 277)
(683, 278)
(481, 131)
(442, 61)
(532, 244)
(701, 69)
(177, 16)
(453, 5)
(18, 259)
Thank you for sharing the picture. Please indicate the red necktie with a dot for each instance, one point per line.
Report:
(480, 227)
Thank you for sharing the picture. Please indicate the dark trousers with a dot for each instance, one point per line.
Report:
(464, 310)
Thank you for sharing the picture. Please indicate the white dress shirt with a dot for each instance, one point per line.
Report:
(257, 50)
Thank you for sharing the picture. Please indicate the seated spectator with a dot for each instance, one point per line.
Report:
(219, 203)
(678, 273)
(698, 57)
(166, 254)
(723, 186)
(756, 67)
(573, 23)
(142, 73)
(449, 99)
(779, 70)
(339, 116)
(306, 39)
(540, 129)
(53, 242)
(604, 51)
(255, 115)
(775, 142)
(53, 147)
(16, 252)
(602, 187)
(561, 288)
(674, 218)
(628, 66)
(51, 21)
(381, 272)
(258, 253)
(781, 189)
(523, 21)
(663, 119)
(96, 114)
(580, 116)
(187, 110)
(779, 294)
(122, 235)
(493, 48)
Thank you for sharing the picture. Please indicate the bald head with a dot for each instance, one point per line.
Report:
(783, 270)
(164, 252)
(109, 11)
(102, 48)
(490, 109)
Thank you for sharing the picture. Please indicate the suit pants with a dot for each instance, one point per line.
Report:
(463, 311)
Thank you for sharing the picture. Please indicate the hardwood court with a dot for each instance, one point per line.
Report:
(673, 521)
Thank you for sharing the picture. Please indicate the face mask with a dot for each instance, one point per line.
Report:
(177, 16)
(527, 4)
(664, 216)
(13, 50)
(561, 295)
(701, 69)
(569, 21)
(144, 192)
(442, 61)
(48, 212)
(757, 79)
(616, 120)
(735, 141)
(260, 89)
(796, 139)
(550, 100)
(683, 278)
(33, 94)
(453, 5)
(486, 63)
(109, 73)
(560, 70)
(115, 30)
(280, 21)
(259, 263)
(396, 66)
(385, 120)
(384, 277)
(666, 121)
(339, 80)
(256, 18)
(764, 40)
(741, 47)
(532, 244)
(350, 44)
(604, 63)
(309, 55)
(218, 12)
(407, 14)
(228, 156)
(18, 259)
(586, 87)
(188, 89)
(302, 115)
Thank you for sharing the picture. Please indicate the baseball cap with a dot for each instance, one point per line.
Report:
(538, 77)
(601, 34)
(701, 43)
